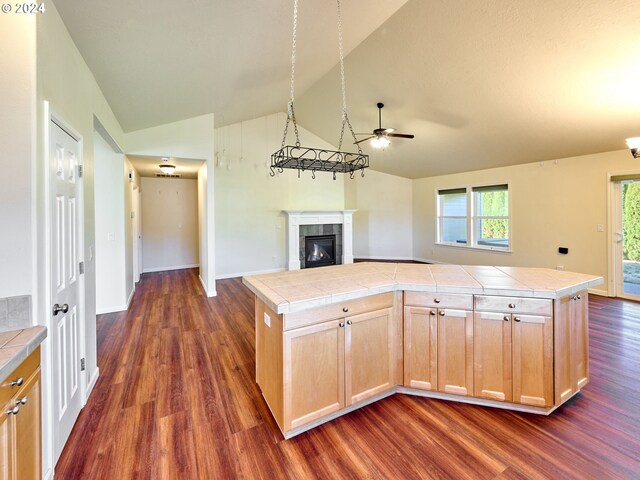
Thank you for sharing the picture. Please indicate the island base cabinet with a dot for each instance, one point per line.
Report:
(514, 358)
(314, 360)
(335, 364)
(420, 348)
(455, 351)
(571, 344)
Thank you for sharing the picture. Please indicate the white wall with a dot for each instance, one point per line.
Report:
(553, 203)
(382, 224)
(65, 81)
(110, 231)
(191, 138)
(250, 226)
(130, 190)
(17, 150)
(169, 224)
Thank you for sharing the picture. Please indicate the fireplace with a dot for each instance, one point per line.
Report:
(320, 250)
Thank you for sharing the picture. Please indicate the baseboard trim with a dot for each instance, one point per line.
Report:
(167, 269)
(133, 290)
(208, 293)
(118, 308)
(92, 383)
(386, 259)
(596, 291)
(244, 274)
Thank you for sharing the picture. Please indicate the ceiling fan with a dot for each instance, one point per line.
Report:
(379, 135)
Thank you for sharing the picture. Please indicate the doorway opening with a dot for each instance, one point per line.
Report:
(626, 235)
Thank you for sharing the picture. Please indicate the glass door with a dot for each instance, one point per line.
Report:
(627, 239)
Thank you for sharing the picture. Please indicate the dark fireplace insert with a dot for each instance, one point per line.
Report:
(319, 250)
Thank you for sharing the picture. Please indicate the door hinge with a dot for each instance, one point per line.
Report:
(81, 268)
(82, 365)
(80, 171)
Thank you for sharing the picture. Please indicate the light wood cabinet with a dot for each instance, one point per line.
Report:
(421, 348)
(455, 351)
(571, 344)
(336, 364)
(20, 423)
(514, 358)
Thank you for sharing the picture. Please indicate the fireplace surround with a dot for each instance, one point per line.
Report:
(323, 219)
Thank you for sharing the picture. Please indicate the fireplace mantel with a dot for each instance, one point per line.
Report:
(317, 217)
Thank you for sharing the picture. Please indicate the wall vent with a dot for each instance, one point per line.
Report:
(168, 175)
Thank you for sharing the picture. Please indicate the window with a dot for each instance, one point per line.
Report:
(474, 217)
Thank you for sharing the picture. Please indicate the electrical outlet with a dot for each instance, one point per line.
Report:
(267, 320)
(600, 227)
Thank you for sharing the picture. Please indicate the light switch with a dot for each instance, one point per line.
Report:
(600, 227)
(267, 320)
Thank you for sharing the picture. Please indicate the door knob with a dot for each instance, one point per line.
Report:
(57, 309)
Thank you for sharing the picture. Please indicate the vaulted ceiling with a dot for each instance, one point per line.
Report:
(481, 83)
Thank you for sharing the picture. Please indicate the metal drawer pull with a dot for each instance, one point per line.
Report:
(432, 312)
(512, 305)
(17, 383)
(506, 318)
(349, 322)
(442, 313)
(436, 300)
(15, 410)
(341, 324)
(579, 297)
(21, 401)
(517, 319)
(345, 309)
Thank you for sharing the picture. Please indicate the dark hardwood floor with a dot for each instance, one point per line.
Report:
(176, 399)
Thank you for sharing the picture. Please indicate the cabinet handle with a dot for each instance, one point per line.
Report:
(517, 319)
(442, 313)
(512, 305)
(575, 297)
(432, 312)
(345, 309)
(17, 383)
(578, 297)
(15, 410)
(349, 322)
(21, 401)
(506, 318)
(341, 324)
(436, 300)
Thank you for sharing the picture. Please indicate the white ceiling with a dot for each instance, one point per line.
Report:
(481, 83)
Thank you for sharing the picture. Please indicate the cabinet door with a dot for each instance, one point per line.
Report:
(532, 338)
(420, 348)
(369, 354)
(580, 338)
(455, 351)
(7, 446)
(314, 372)
(492, 356)
(28, 430)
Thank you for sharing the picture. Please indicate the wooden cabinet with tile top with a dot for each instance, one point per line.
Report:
(20, 423)
(334, 339)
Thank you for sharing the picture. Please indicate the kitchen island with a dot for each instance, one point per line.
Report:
(333, 339)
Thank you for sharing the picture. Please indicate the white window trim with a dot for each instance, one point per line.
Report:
(471, 240)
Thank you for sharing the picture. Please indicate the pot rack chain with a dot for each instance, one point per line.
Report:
(317, 159)
(345, 116)
(291, 116)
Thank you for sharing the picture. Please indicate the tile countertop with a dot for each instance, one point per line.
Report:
(296, 290)
(17, 345)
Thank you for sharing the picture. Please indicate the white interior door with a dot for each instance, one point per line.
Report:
(135, 232)
(139, 196)
(65, 188)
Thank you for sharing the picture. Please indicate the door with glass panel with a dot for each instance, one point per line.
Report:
(626, 237)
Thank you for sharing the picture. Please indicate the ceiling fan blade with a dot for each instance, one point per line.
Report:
(400, 135)
(364, 139)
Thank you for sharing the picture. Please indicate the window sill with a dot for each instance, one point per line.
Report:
(480, 248)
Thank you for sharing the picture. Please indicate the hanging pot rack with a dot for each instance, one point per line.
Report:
(312, 159)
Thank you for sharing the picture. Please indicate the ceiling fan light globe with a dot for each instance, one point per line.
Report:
(167, 169)
(380, 142)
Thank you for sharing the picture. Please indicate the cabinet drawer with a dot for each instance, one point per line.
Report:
(535, 306)
(437, 300)
(24, 371)
(337, 310)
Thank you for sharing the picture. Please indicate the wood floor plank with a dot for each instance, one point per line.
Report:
(177, 399)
